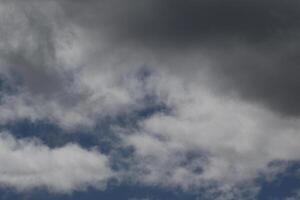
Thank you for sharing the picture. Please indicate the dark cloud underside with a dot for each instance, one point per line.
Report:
(255, 44)
(189, 21)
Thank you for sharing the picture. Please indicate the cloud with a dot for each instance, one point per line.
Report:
(209, 139)
(53, 70)
(248, 47)
(29, 37)
(189, 22)
(28, 164)
(227, 72)
(252, 45)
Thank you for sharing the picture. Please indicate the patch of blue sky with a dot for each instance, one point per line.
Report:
(112, 192)
(283, 185)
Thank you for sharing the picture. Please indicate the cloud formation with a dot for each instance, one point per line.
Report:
(28, 164)
(53, 74)
(252, 45)
(226, 71)
(210, 138)
(189, 21)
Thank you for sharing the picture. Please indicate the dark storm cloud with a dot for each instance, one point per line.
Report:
(192, 21)
(268, 74)
(189, 21)
(254, 44)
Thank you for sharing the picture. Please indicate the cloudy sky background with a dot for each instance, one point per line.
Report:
(149, 99)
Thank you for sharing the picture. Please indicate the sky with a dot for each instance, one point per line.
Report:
(149, 99)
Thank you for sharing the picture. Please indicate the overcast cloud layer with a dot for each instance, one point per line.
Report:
(227, 73)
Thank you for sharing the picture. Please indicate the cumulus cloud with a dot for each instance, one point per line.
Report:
(28, 164)
(211, 138)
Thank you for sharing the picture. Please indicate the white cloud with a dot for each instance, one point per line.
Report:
(233, 141)
(60, 76)
(27, 164)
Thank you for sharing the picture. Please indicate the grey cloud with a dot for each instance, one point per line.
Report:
(253, 45)
(268, 75)
(192, 21)
(29, 44)
(189, 21)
